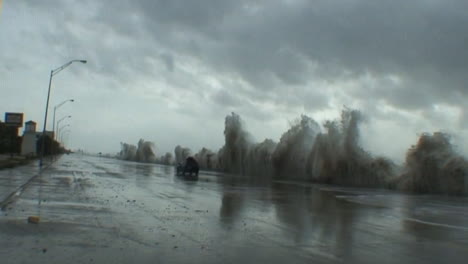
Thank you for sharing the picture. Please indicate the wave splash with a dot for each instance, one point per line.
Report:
(334, 156)
(144, 152)
(432, 166)
(337, 158)
(331, 155)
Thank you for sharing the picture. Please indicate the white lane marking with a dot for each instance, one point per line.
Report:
(437, 224)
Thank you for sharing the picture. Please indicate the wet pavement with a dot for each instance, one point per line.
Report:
(98, 210)
(12, 179)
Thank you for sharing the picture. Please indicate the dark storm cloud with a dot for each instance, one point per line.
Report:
(422, 41)
(271, 45)
(224, 98)
(402, 63)
(169, 61)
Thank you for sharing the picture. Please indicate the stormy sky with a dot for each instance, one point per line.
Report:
(169, 71)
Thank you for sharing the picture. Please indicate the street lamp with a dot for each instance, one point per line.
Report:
(52, 73)
(60, 120)
(55, 109)
(54, 136)
(60, 130)
(62, 135)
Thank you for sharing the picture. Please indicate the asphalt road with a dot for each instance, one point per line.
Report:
(98, 210)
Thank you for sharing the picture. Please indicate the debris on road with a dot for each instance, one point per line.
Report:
(33, 219)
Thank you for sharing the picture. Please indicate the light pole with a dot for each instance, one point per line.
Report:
(55, 109)
(62, 135)
(64, 138)
(55, 135)
(52, 73)
(60, 120)
(60, 130)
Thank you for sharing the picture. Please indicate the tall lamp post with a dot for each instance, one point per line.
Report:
(52, 73)
(58, 123)
(59, 130)
(64, 138)
(60, 120)
(55, 109)
(62, 135)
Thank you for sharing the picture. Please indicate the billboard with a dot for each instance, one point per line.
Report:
(14, 119)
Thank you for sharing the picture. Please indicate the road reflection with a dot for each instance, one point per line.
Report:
(341, 224)
(231, 206)
(315, 217)
(304, 216)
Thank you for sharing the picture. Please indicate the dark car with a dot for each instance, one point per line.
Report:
(189, 168)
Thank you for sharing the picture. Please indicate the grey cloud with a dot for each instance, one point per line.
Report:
(168, 60)
(224, 98)
(292, 54)
(343, 37)
(347, 36)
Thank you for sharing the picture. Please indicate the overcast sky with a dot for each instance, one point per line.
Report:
(169, 71)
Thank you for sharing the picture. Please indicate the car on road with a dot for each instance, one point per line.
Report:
(188, 168)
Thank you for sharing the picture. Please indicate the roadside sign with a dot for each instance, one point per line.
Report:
(14, 119)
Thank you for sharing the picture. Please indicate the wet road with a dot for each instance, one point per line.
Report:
(97, 210)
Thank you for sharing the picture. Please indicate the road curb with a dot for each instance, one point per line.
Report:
(17, 192)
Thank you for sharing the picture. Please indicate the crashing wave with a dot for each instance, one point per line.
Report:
(167, 159)
(233, 156)
(290, 155)
(259, 159)
(306, 153)
(333, 156)
(127, 152)
(145, 152)
(181, 154)
(207, 159)
(432, 166)
(337, 158)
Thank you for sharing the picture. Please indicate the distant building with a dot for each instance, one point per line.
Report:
(28, 147)
(30, 138)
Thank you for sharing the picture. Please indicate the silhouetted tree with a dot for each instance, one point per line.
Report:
(9, 140)
(50, 146)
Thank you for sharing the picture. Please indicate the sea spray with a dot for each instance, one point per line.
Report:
(332, 156)
(305, 153)
(259, 159)
(337, 158)
(290, 155)
(145, 152)
(181, 154)
(207, 159)
(166, 159)
(432, 166)
(233, 155)
(127, 152)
